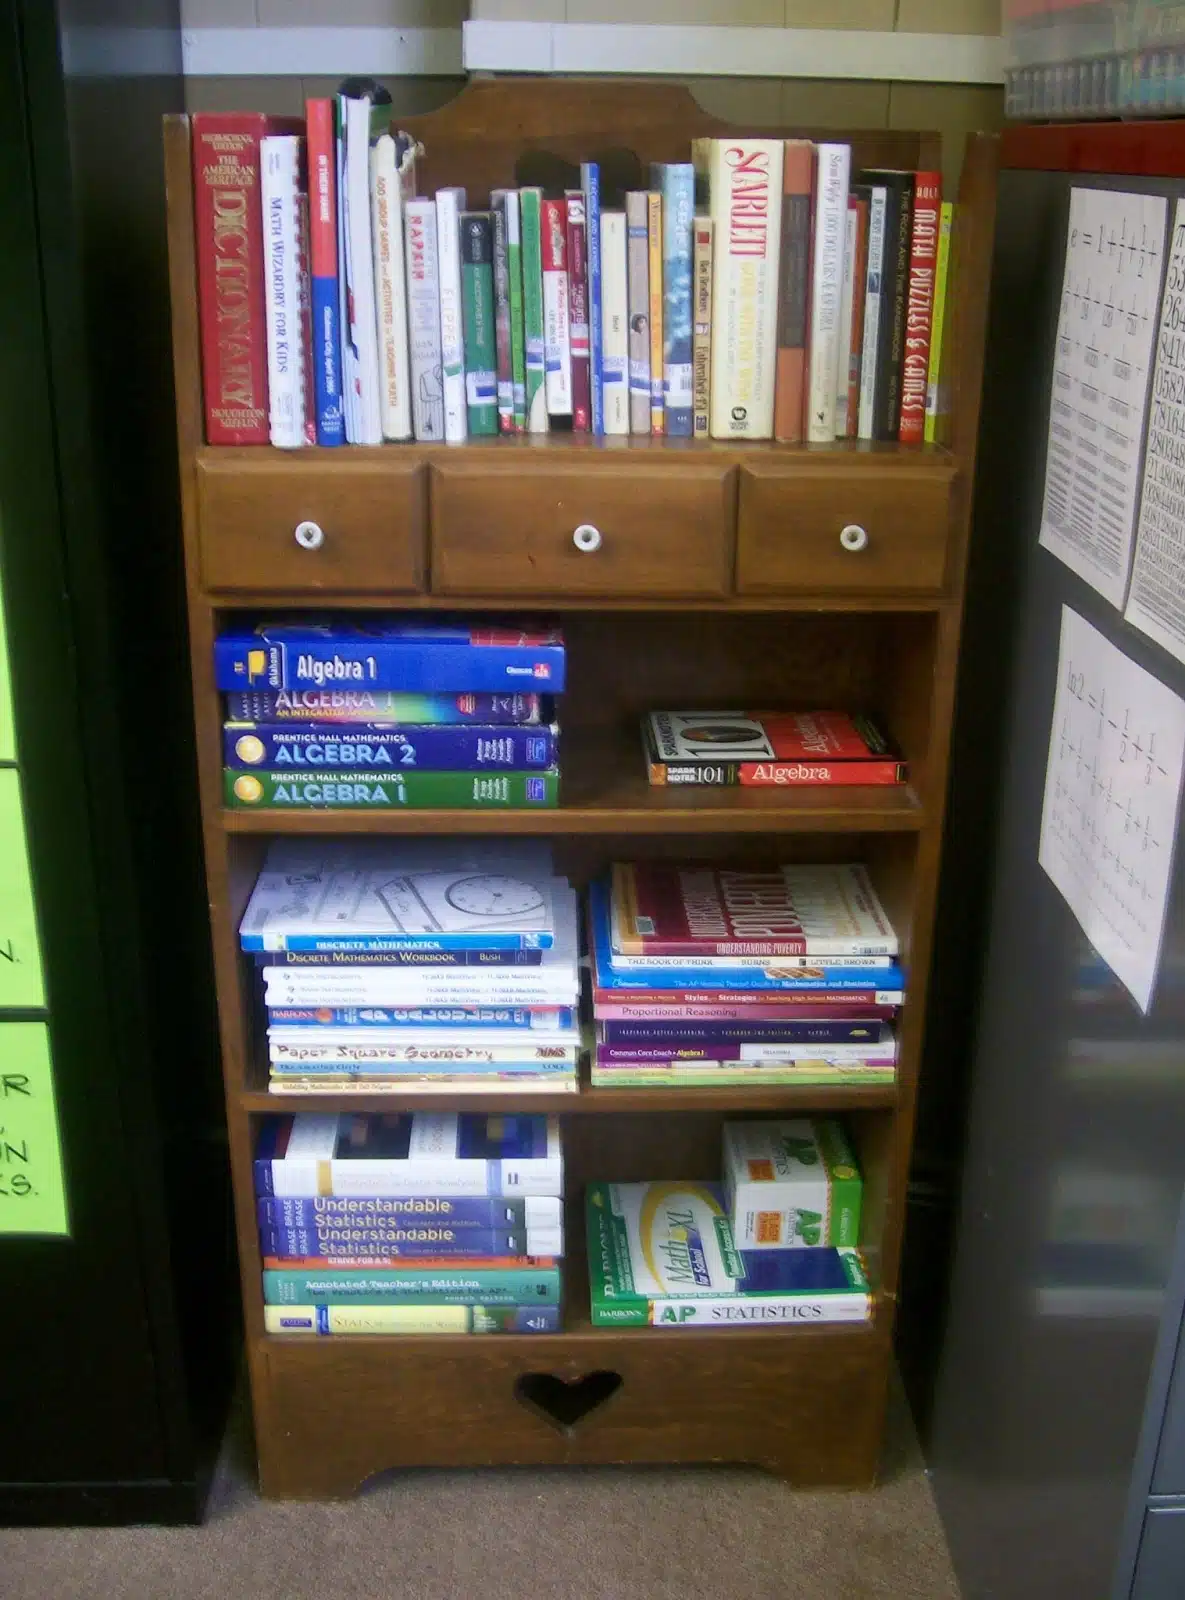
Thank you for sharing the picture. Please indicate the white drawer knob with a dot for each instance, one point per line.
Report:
(853, 537)
(309, 535)
(587, 538)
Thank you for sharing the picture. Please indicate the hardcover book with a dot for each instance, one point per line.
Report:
(578, 327)
(388, 653)
(791, 1184)
(809, 1073)
(662, 1255)
(376, 1049)
(682, 1035)
(767, 749)
(919, 305)
(662, 909)
(615, 398)
(481, 354)
(423, 318)
(360, 122)
(426, 1247)
(384, 707)
(360, 747)
(323, 266)
(719, 1055)
(638, 285)
(409, 1153)
(345, 1321)
(450, 203)
(372, 790)
(359, 1214)
(557, 348)
(676, 183)
(531, 201)
(404, 1285)
(894, 288)
(794, 270)
(279, 157)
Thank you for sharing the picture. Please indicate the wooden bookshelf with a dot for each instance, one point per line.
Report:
(720, 581)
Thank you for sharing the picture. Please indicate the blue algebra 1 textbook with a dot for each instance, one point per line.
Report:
(392, 654)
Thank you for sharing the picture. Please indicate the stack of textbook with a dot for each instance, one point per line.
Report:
(338, 715)
(709, 976)
(417, 966)
(423, 1223)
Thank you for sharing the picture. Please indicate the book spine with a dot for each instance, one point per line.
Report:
(326, 335)
(450, 203)
(844, 332)
(615, 398)
(423, 316)
(334, 748)
(381, 985)
(590, 182)
(823, 361)
(345, 1321)
(935, 408)
(531, 201)
(746, 1311)
(919, 306)
(680, 1035)
(401, 958)
(390, 291)
(654, 274)
(502, 336)
(829, 969)
(514, 267)
(369, 791)
(794, 287)
(755, 1055)
(362, 330)
(440, 1083)
(349, 359)
(228, 227)
(746, 208)
(629, 1009)
(894, 288)
(385, 706)
(278, 192)
(324, 1052)
(874, 278)
(727, 1075)
(638, 283)
(578, 329)
(678, 221)
(305, 287)
(481, 359)
(701, 354)
(688, 1000)
(415, 665)
(510, 1019)
(557, 348)
(856, 326)
(286, 1287)
(772, 774)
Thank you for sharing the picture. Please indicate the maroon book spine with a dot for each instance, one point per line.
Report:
(578, 312)
(228, 229)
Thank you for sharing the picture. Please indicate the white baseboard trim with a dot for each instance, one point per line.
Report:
(321, 52)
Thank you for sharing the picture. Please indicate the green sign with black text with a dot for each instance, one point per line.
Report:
(32, 1188)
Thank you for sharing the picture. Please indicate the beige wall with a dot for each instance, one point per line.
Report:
(907, 16)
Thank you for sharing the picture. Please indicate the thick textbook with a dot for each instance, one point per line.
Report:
(389, 653)
(384, 707)
(422, 1247)
(411, 895)
(662, 1255)
(763, 749)
(662, 909)
(323, 268)
(791, 1185)
(365, 747)
(405, 1285)
(347, 1320)
(376, 1050)
(359, 1216)
(369, 790)
(410, 1153)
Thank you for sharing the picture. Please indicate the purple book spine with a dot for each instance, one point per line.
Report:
(638, 1055)
(679, 1036)
(392, 1211)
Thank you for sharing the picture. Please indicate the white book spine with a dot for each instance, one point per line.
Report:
(449, 205)
(423, 317)
(279, 181)
(746, 210)
(767, 1310)
(872, 310)
(614, 323)
(845, 324)
(362, 333)
(390, 287)
(831, 223)
(557, 347)
(294, 986)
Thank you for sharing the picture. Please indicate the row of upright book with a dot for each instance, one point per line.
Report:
(761, 289)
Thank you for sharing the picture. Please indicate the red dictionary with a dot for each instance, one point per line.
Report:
(757, 748)
(578, 311)
(919, 307)
(228, 231)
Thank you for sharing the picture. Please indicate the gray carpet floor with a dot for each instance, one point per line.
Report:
(588, 1534)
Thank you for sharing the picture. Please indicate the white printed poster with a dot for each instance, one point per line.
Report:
(1102, 363)
(1156, 601)
(1112, 790)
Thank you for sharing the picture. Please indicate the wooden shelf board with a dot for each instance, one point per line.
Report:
(858, 453)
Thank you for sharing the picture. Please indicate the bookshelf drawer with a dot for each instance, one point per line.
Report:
(857, 528)
(606, 528)
(286, 520)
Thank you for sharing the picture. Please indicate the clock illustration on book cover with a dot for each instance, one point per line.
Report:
(490, 894)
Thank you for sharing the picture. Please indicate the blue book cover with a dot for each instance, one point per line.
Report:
(360, 747)
(383, 707)
(651, 1035)
(606, 976)
(676, 182)
(590, 182)
(428, 1242)
(793, 1271)
(397, 958)
(510, 1019)
(376, 1286)
(391, 1072)
(356, 1216)
(327, 367)
(393, 653)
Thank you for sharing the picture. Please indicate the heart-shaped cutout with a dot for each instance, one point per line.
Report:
(566, 1402)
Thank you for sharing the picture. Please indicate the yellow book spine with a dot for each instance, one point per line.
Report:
(366, 1319)
(934, 399)
(654, 243)
(701, 384)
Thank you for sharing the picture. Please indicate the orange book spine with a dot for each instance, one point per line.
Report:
(794, 285)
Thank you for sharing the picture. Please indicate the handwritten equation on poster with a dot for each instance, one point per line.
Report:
(1112, 789)
(1102, 362)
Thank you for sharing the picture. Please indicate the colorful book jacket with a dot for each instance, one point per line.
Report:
(279, 182)
(590, 183)
(398, 653)
(794, 270)
(385, 707)
(676, 183)
(557, 347)
(477, 293)
(654, 261)
(509, 1019)
(450, 204)
(327, 355)
(919, 305)
(767, 749)
(615, 336)
(578, 340)
(530, 203)
(423, 320)
(935, 400)
(661, 909)
(228, 228)
(701, 350)
(693, 1035)
(390, 286)
(415, 790)
(408, 1153)
(360, 1215)
(638, 284)
(503, 338)
(662, 1255)
(346, 1321)
(360, 747)
(431, 1243)
(826, 337)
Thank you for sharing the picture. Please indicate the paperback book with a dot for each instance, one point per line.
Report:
(348, 1320)
(507, 1019)
(791, 1184)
